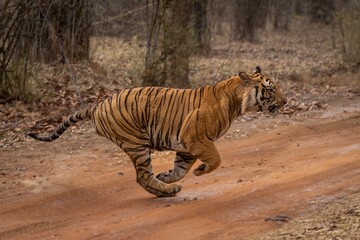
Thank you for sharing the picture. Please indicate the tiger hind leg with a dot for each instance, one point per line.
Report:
(182, 164)
(140, 156)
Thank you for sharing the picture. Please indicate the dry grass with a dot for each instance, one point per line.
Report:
(305, 53)
(336, 220)
(123, 61)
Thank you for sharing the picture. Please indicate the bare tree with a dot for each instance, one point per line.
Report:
(168, 43)
(279, 12)
(40, 30)
(348, 20)
(202, 24)
(16, 34)
(64, 29)
(246, 12)
(321, 11)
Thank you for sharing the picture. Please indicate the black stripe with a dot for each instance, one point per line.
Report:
(146, 163)
(129, 129)
(171, 126)
(106, 128)
(194, 98)
(156, 125)
(207, 135)
(126, 98)
(158, 90)
(184, 168)
(66, 124)
(134, 159)
(111, 131)
(196, 123)
(123, 127)
(201, 95)
(149, 110)
(71, 119)
(142, 148)
(181, 116)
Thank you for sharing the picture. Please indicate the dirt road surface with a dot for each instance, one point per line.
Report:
(83, 187)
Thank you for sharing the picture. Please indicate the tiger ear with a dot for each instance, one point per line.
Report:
(257, 69)
(244, 77)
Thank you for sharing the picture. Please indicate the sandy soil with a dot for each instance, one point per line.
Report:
(83, 187)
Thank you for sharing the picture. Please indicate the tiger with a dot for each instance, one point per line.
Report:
(141, 120)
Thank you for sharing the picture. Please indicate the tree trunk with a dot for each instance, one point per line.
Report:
(245, 19)
(321, 11)
(279, 14)
(202, 24)
(65, 30)
(168, 44)
(178, 48)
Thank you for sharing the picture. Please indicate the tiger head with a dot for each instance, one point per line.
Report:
(262, 93)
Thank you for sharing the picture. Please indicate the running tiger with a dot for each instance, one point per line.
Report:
(188, 121)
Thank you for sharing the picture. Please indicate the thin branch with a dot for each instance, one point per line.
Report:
(67, 63)
(120, 15)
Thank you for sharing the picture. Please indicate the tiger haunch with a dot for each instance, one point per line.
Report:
(188, 121)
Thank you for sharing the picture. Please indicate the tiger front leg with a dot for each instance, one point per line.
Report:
(141, 159)
(182, 164)
(206, 152)
(195, 136)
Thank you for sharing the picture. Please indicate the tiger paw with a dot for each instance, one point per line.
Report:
(165, 177)
(170, 191)
(157, 187)
(202, 169)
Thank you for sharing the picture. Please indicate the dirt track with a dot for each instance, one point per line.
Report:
(82, 187)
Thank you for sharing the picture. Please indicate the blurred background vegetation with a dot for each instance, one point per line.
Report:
(166, 36)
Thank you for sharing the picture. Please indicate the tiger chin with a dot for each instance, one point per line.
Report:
(187, 121)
